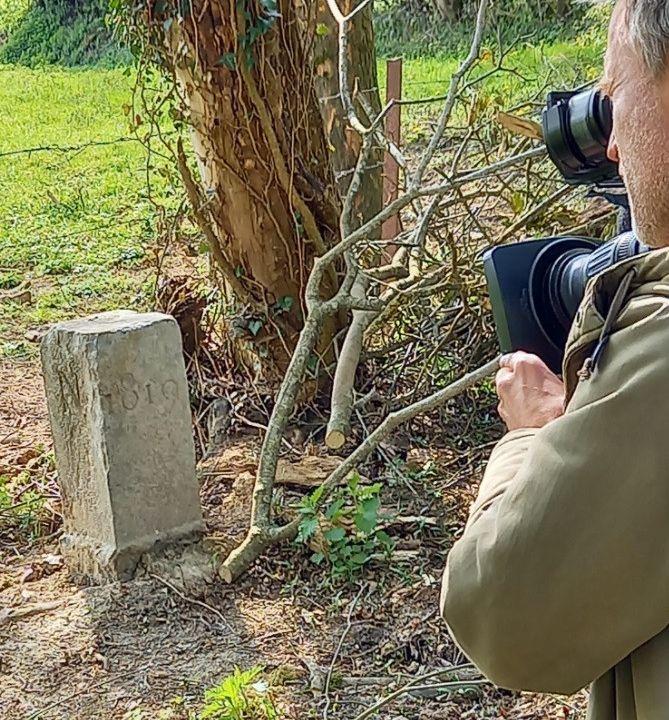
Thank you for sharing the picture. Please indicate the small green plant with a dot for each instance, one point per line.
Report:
(9, 280)
(353, 536)
(21, 508)
(244, 695)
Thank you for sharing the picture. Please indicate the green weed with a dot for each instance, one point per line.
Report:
(353, 535)
(21, 507)
(244, 695)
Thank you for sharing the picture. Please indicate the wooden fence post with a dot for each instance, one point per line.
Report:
(391, 171)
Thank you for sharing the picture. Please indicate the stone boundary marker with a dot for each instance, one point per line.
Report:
(120, 418)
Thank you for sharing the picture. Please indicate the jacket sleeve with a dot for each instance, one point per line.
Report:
(563, 567)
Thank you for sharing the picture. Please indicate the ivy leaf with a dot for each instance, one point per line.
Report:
(254, 327)
(317, 558)
(322, 29)
(284, 303)
(335, 535)
(227, 60)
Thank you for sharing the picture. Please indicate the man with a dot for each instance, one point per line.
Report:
(561, 577)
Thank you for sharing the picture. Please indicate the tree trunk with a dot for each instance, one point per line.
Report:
(266, 183)
(344, 143)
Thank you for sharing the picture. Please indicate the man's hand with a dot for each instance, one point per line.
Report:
(530, 395)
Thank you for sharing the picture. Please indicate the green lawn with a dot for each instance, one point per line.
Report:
(80, 227)
(75, 225)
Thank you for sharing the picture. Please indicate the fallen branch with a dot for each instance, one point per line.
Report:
(344, 380)
(419, 683)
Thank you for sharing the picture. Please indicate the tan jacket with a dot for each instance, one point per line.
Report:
(561, 577)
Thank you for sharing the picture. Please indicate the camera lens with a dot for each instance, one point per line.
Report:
(555, 279)
(561, 272)
(576, 128)
(591, 123)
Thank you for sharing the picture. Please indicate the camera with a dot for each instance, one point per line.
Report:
(536, 286)
(576, 128)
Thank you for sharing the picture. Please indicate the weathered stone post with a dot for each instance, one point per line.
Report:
(118, 404)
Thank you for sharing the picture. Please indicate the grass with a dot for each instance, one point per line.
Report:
(59, 32)
(76, 225)
(530, 72)
(80, 227)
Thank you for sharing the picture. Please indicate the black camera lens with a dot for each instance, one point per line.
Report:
(561, 272)
(577, 127)
(555, 278)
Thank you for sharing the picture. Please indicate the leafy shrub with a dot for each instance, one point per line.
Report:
(63, 32)
(415, 28)
(348, 532)
(11, 13)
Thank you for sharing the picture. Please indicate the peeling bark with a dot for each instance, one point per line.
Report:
(249, 97)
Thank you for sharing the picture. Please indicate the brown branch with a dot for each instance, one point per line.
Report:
(365, 231)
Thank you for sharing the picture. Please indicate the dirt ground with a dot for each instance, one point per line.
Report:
(149, 648)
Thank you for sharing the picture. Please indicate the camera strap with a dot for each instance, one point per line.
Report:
(590, 365)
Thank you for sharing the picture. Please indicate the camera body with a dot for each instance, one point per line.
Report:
(536, 286)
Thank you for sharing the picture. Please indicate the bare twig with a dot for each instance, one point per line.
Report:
(419, 682)
(328, 677)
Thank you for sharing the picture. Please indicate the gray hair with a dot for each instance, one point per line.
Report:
(648, 22)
